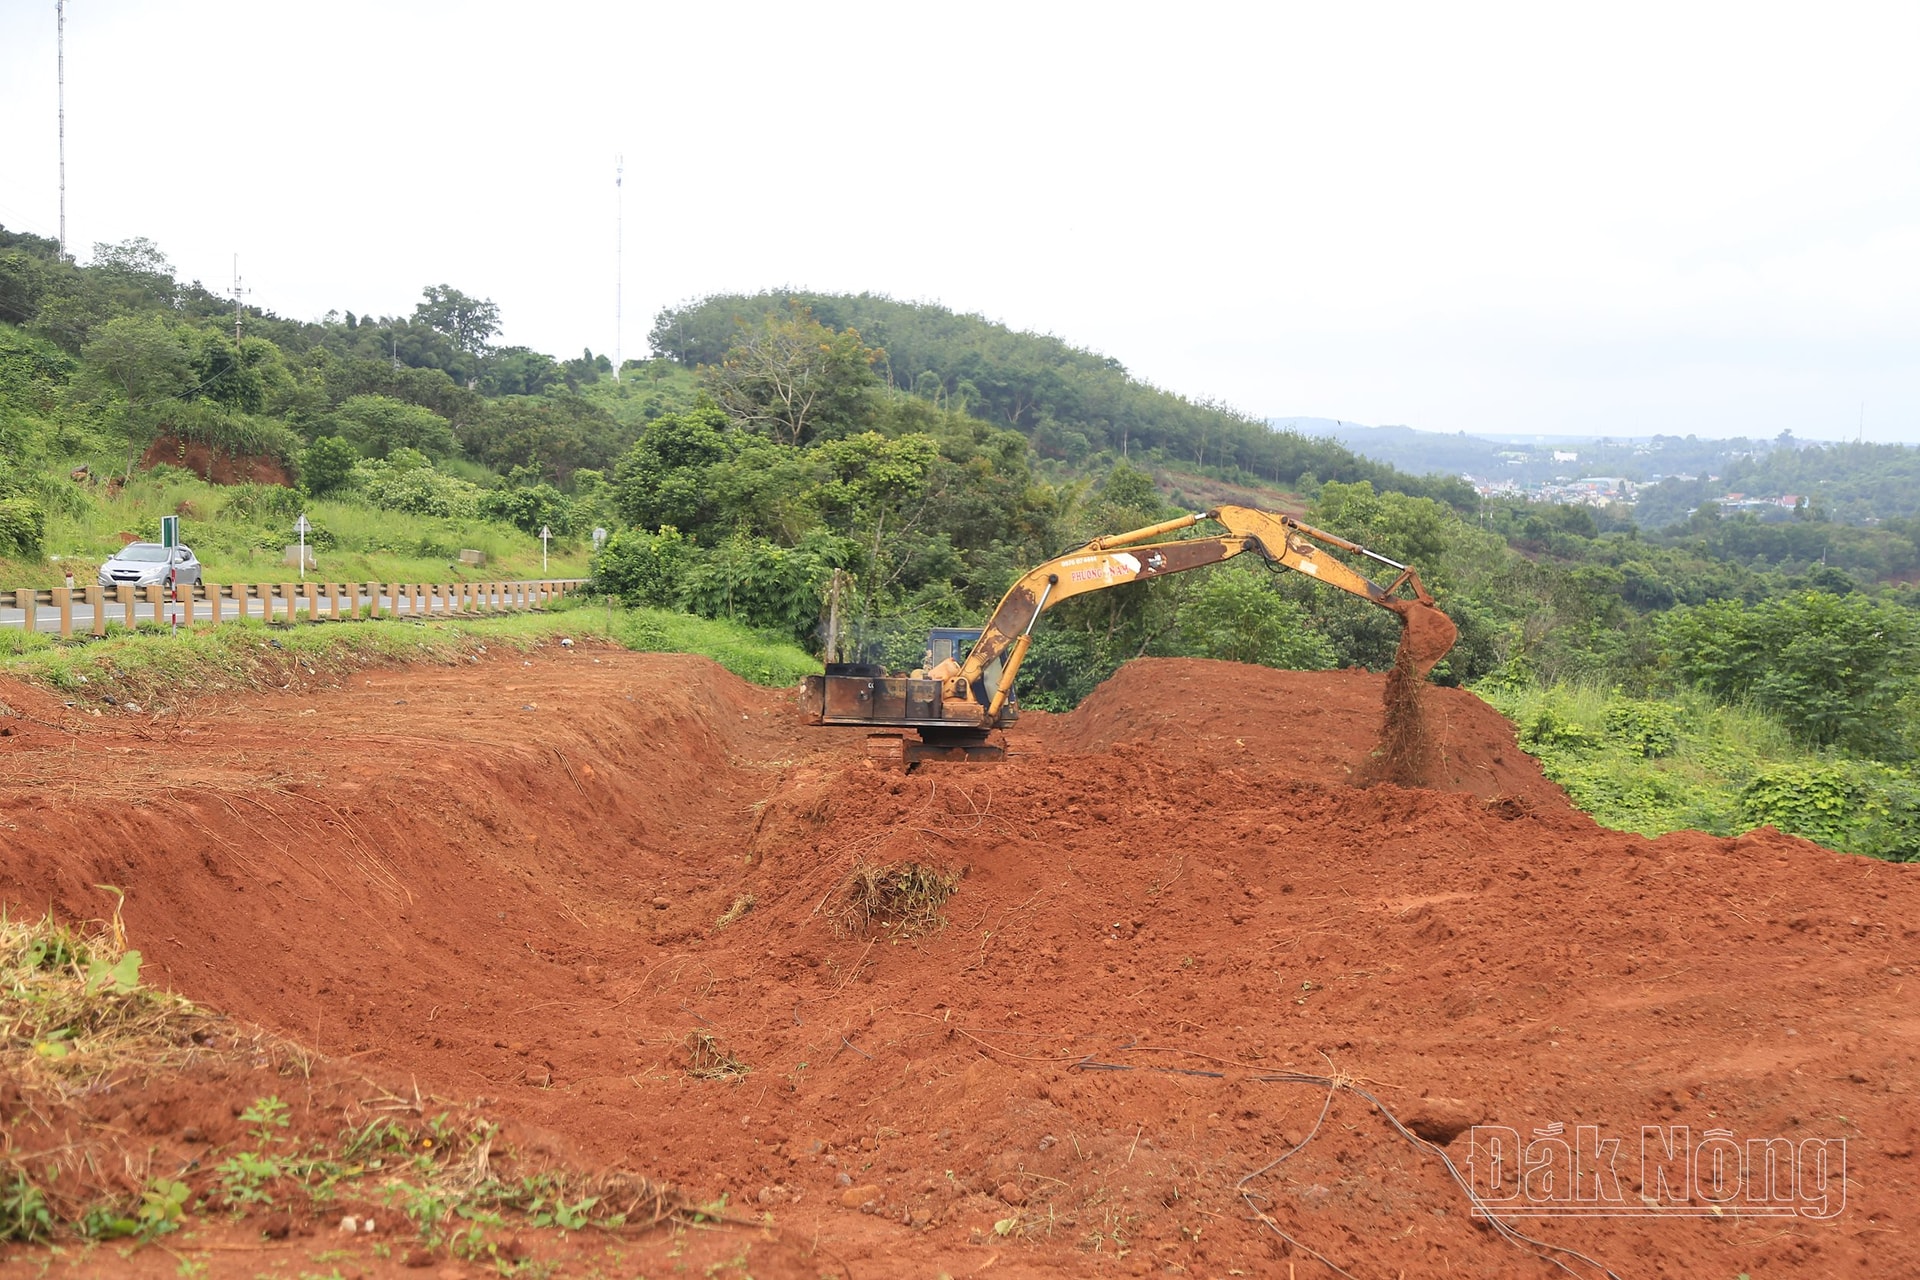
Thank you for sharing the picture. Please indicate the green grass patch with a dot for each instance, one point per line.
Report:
(761, 657)
(152, 668)
(1686, 762)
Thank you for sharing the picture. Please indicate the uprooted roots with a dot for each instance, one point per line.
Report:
(708, 1059)
(903, 898)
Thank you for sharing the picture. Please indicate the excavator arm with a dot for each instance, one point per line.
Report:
(954, 711)
(1110, 561)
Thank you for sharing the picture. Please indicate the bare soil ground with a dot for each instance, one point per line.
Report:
(1177, 918)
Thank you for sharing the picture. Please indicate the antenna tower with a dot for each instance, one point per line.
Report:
(619, 255)
(60, 77)
(238, 293)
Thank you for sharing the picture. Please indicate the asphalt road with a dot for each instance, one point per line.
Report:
(47, 618)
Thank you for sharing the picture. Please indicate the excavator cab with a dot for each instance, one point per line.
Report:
(948, 649)
(950, 644)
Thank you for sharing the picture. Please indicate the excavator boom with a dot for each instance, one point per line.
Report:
(955, 710)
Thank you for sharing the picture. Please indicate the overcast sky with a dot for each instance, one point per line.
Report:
(1530, 218)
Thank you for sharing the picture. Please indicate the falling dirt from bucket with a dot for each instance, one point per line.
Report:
(1408, 755)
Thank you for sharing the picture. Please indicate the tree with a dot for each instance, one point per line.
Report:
(519, 371)
(238, 376)
(793, 377)
(326, 465)
(136, 269)
(378, 425)
(27, 262)
(873, 486)
(662, 481)
(1411, 530)
(1835, 669)
(143, 358)
(1237, 616)
(588, 369)
(469, 323)
(557, 433)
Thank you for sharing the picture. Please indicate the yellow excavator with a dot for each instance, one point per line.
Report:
(953, 707)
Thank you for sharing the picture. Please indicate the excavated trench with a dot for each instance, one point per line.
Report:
(548, 883)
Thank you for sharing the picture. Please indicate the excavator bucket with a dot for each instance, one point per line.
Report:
(1426, 634)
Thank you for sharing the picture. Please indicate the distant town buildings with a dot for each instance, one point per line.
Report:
(1601, 491)
(1589, 491)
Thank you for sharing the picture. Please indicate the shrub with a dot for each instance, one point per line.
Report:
(326, 465)
(757, 582)
(1550, 730)
(260, 501)
(643, 568)
(1856, 806)
(1650, 729)
(407, 482)
(23, 526)
(530, 509)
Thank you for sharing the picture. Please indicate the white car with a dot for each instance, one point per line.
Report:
(144, 564)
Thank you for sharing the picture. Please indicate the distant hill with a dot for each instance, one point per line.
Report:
(1075, 406)
(1531, 459)
(1416, 452)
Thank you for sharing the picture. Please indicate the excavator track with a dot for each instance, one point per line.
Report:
(899, 753)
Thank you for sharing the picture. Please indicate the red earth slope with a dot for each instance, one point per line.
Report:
(508, 881)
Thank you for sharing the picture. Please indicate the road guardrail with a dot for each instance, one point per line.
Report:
(64, 609)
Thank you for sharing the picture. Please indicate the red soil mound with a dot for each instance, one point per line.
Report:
(1324, 726)
(1168, 902)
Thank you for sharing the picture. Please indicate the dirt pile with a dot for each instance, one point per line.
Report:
(578, 886)
(1325, 726)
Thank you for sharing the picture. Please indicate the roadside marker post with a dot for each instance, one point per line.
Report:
(545, 533)
(170, 539)
(301, 527)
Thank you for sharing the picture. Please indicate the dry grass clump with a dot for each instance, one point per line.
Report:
(708, 1059)
(903, 898)
(741, 905)
(72, 1010)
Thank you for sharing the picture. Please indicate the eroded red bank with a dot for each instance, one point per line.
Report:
(1171, 899)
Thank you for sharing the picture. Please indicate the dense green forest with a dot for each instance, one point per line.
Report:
(775, 441)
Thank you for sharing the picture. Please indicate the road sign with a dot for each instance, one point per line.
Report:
(169, 532)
